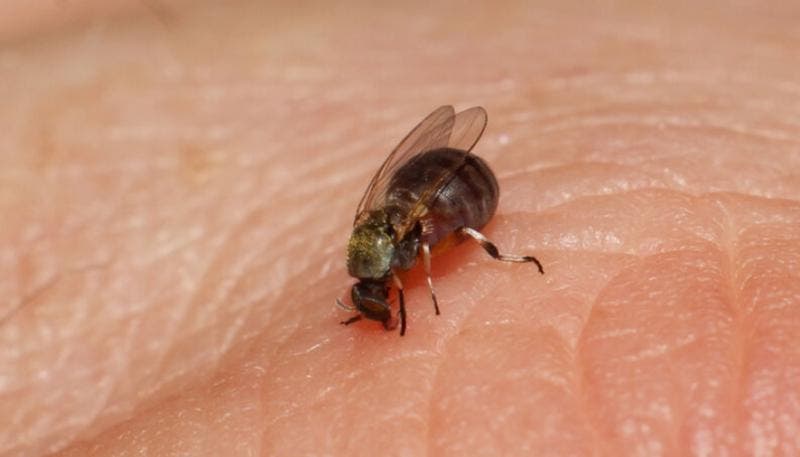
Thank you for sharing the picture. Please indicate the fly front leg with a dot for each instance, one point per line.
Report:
(402, 312)
(353, 319)
(489, 247)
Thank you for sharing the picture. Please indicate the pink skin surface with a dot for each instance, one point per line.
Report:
(177, 184)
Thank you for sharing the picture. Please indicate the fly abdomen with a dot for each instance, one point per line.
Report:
(467, 199)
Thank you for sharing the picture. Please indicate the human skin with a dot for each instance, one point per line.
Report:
(177, 185)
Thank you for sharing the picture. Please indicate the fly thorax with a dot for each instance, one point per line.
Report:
(370, 250)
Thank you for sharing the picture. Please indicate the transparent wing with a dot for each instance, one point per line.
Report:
(468, 127)
(442, 128)
(433, 132)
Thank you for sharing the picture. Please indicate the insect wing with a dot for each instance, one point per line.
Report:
(468, 126)
(432, 133)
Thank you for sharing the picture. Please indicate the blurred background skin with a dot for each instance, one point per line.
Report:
(177, 181)
(21, 20)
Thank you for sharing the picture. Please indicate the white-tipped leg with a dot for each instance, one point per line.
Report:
(426, 257)
(402, 313)
(489, 247)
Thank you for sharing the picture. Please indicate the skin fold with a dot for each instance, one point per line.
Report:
(178, 182)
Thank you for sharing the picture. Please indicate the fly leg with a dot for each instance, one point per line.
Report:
(355, 318)
(489, 247)
(427, 230)
(426, 257)
(402, 313)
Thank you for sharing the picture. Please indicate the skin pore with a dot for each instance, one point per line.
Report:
(178, 181)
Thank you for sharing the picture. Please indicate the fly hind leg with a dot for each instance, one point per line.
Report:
(489, 247)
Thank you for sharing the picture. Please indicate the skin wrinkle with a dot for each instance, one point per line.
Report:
(166, 354)
(615, 110)
(224, 263)
(218, 258)
(730, 144)
(694, 440)
(595, 422)
(30, 299)
(159, 363)
(504, 375)
(729, 240)
(762, 427)
(634, 121)
(436, 378)
(294, 411)
(20, 413)
(667, 367)
(275, 359)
